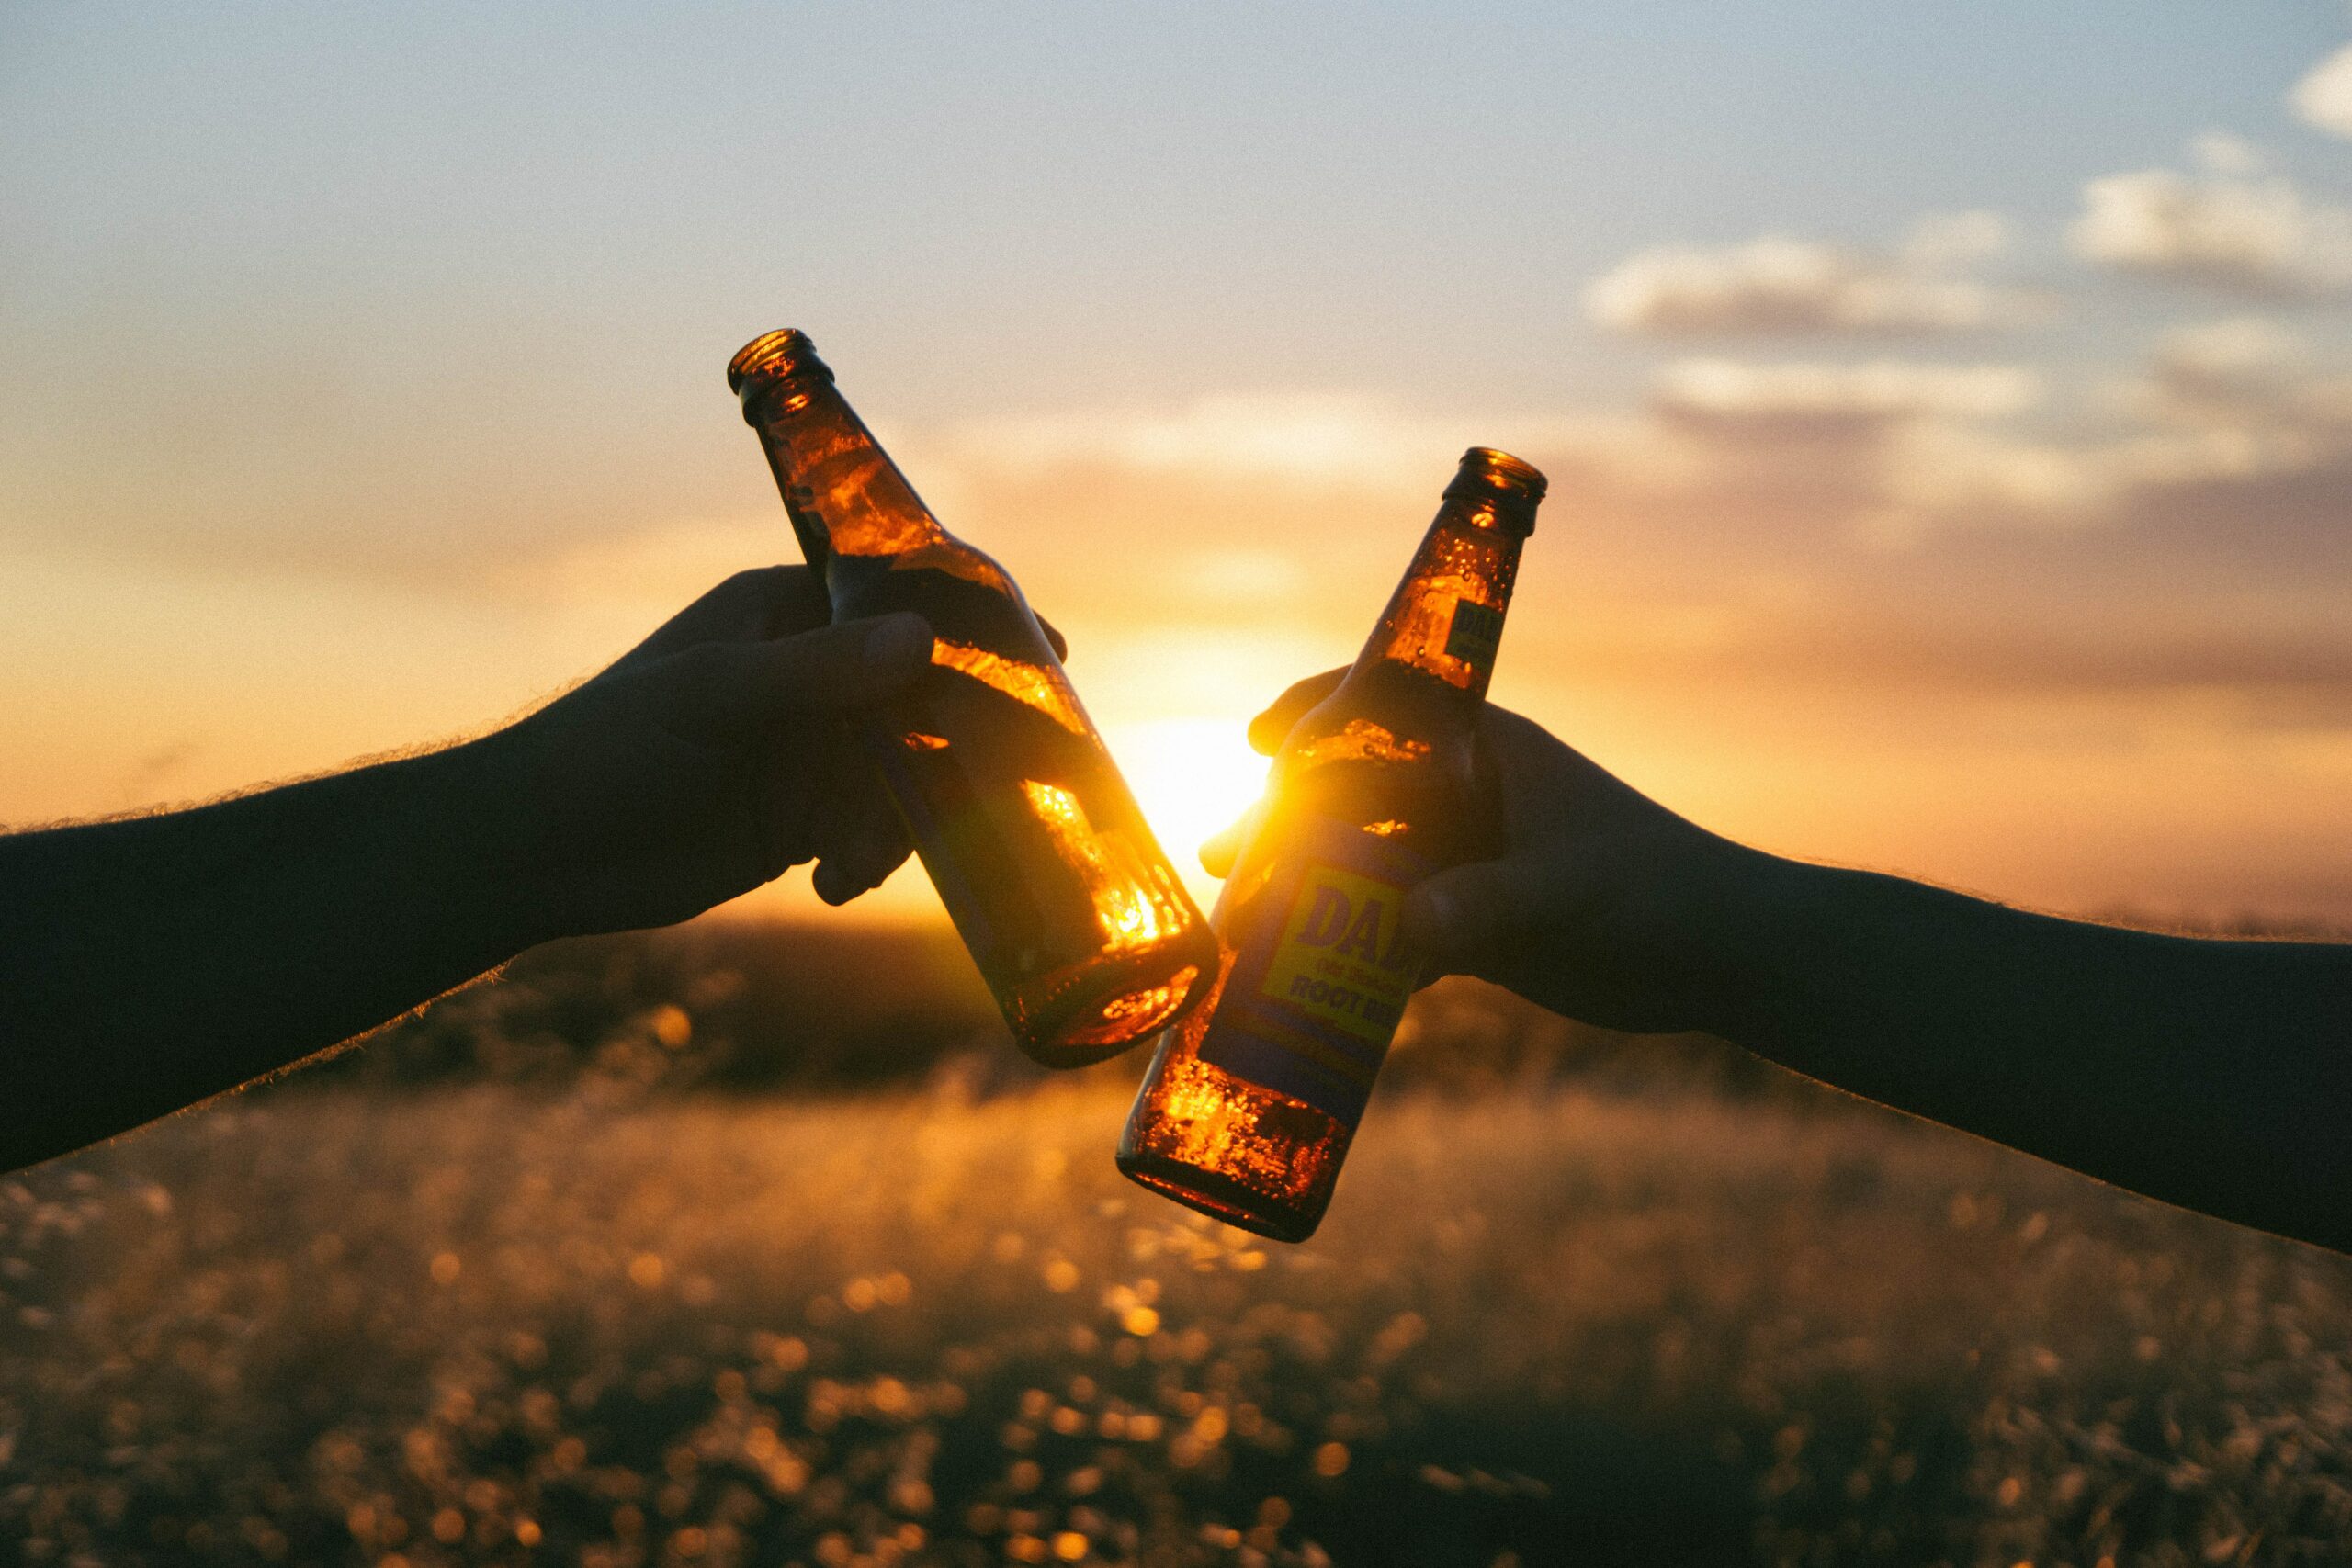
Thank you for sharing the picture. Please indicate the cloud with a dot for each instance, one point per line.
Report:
(1727, 394)
(2228, 426)
(2225, 153)
(1785, 286)
(2323, 97)
(1885, 449)
(2245, 373)
(2249, 446)
(2227, 227)
(1887, 452)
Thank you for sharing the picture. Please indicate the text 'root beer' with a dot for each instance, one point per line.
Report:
(1072, 913)
(1249, 1103)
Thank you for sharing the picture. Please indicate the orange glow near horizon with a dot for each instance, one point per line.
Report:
(135, 687)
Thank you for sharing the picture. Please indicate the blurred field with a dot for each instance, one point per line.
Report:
(514, 1285)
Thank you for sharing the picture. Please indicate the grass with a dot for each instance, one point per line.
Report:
(322, 1329)
(564, 1318)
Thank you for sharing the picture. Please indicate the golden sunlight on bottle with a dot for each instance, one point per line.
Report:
(1251, 1103)
(1073, 914)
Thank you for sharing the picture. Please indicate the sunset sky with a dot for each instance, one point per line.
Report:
(1949, 407)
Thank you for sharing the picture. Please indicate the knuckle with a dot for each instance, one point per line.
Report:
(704, 667)
(703, 662)
(748, 588)
(778, 596)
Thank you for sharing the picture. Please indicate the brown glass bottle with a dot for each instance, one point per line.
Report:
(1057, 887)
(1251, 1101)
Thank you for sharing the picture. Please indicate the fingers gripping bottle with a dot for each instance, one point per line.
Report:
(1251, 1101)
(1066, 901)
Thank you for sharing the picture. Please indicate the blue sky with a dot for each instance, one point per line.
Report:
(360, 378)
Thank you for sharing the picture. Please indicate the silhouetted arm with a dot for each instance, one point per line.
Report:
(149, 962)
(2209, 1073)
(2212, 1074)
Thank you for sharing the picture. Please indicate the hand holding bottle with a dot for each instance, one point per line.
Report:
(712, 757)
(1251, 1104)
(1061, 894)
(2207, 1073)
(1603, 906)
(149, 962)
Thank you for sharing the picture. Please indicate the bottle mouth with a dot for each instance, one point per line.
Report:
(779, 356)
(1515, 487)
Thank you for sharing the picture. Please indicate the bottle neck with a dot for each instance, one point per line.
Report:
(842, 493)
(1446, 617)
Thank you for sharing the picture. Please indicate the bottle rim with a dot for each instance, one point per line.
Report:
(1515, 486)
(774, 357)
(1505, 471)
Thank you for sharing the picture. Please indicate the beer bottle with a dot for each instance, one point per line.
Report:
(1065, 900)
(1250, 1100)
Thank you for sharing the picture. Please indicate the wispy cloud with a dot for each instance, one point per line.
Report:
(2246, 374)
(1728, 394)
(2230, 428)
(1887, 451)
(1780, 286)
(1278, 437)
(2228, 226)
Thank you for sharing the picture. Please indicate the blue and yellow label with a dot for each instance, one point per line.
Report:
(1321, 972)
(1341, 958)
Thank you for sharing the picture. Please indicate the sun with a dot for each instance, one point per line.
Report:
(1192, 776)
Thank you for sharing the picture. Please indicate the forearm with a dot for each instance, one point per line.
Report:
(2212, 1074)
(150, 963)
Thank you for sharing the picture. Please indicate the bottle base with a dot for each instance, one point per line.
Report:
(1083, 1026)
(1218, 1197)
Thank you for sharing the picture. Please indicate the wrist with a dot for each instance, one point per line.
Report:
(506, 846)
(1766, 915)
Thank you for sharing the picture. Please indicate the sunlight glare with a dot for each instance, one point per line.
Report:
(1192, 776)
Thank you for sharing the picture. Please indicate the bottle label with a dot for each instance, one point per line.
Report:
(1475, 633)
(1321, 971)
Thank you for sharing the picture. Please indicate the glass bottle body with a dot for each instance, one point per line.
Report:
(1077, 921)
(1251, 1101)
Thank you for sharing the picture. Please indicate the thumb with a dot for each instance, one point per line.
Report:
(1461, 919)
(843, 666)
(1225, 846)
(1267, 730)
(726, 688)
